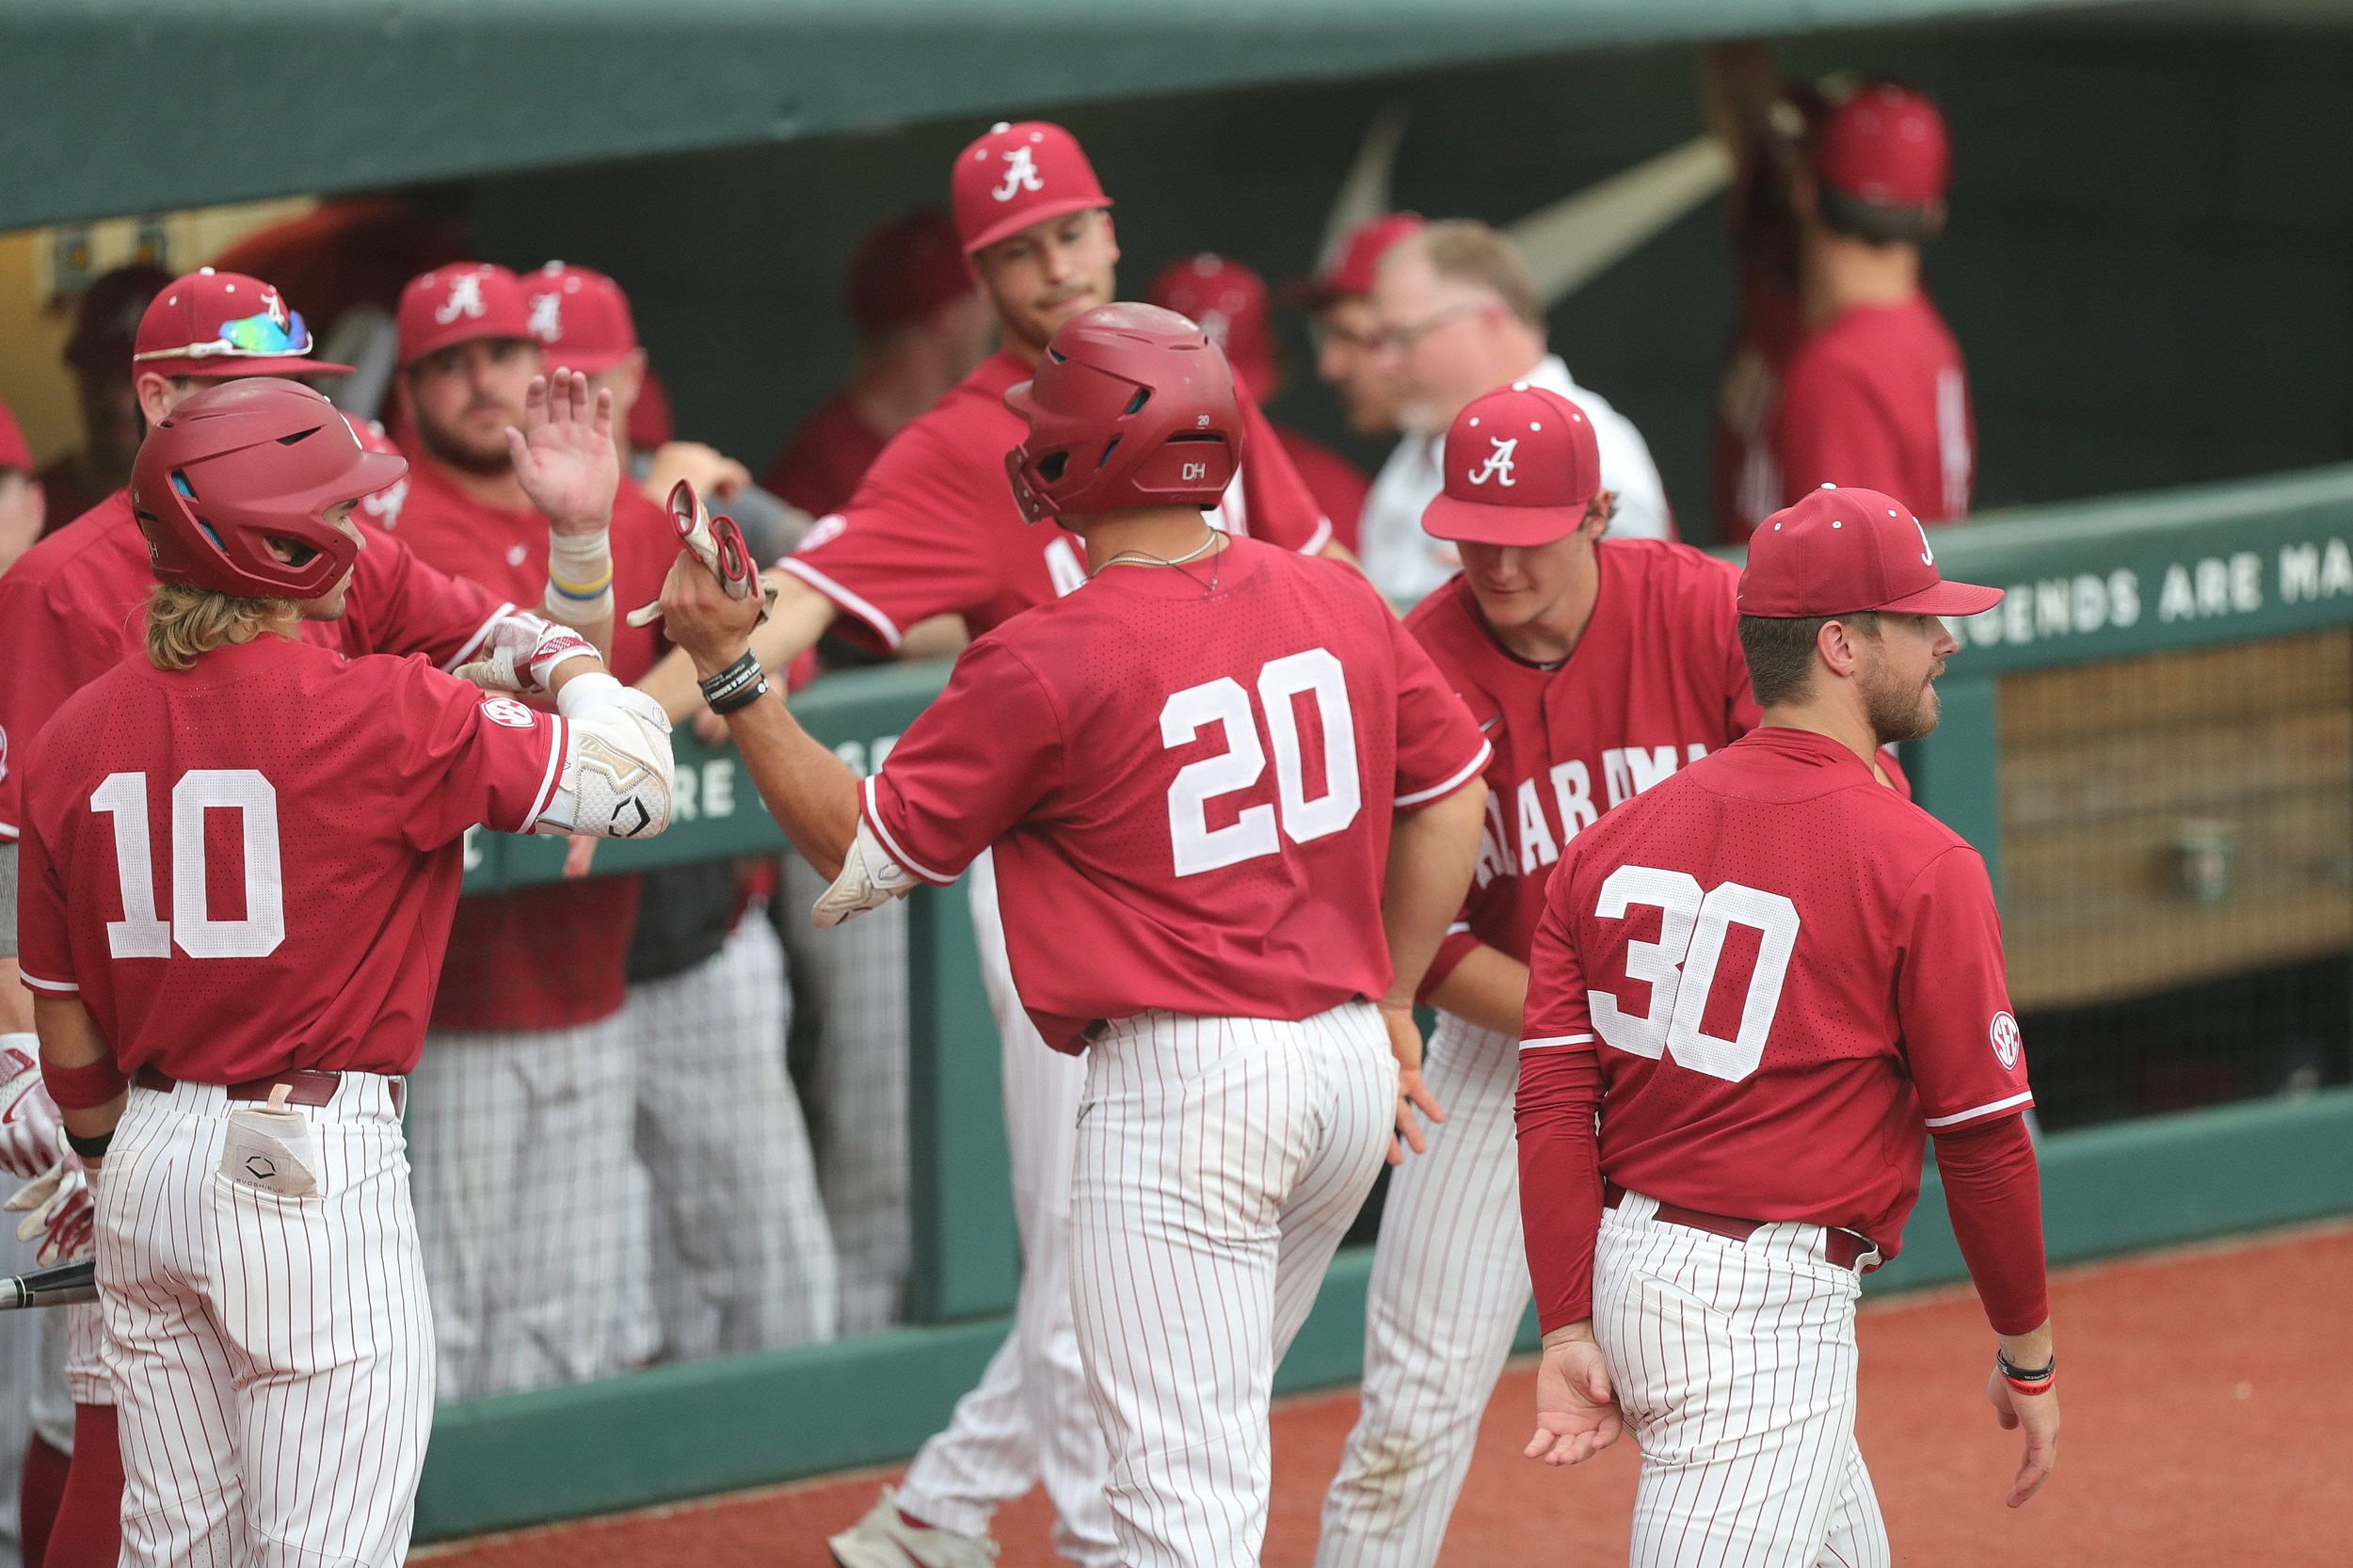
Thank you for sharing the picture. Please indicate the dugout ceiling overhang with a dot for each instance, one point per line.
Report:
(117, 107)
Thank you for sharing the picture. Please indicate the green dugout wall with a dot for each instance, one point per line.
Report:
(2089, 583)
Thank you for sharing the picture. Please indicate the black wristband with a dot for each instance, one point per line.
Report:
(739, 686)
(2025, 1374)
(89, 1148)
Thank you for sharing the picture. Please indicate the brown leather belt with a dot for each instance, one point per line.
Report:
(1842, 1249)
(304, 1086)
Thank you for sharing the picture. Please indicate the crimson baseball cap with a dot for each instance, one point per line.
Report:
(1020, 174)
(581, 318)
(459, 303)
(1228, 303)
(1348, 270)
(1838, 551)
(1521, 466)
(15, 455)
(904, 270)
(220, 324)
(1886, 145)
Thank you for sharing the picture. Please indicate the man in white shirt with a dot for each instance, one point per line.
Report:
(1457, 317)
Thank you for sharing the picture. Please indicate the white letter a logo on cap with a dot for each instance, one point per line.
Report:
(1020, 174)
(1498, 464)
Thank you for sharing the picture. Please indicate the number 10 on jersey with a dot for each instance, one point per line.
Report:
(142, 932)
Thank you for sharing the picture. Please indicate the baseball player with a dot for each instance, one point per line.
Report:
(933, 529)
(1187, 769)
(1771, 976)
(1597, 667)
(921, 326)
(745, 1261)
(1231, 303)
(1346, 327)
(525, 1104)
(22, 508)
(278, 829)
(75, 606)
(1459, 315)
(1874, 393)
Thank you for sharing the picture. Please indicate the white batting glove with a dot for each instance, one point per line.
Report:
(29, 1123)
(520, 652)
(58, 1209)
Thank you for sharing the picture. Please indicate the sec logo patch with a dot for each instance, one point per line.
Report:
(2006, 1043)
(506, 710)
(823, 531)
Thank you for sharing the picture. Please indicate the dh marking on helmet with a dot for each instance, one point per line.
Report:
(1020, 174)
(465, 298)
(547, 317)
(1498, 464)
(1195, 470)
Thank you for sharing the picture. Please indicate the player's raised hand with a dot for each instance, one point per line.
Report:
(2039, 1414)
(1577, 1410)
(564, 455)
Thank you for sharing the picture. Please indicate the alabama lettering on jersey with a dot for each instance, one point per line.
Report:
(933, 529)
(75, 604)
(1785, 975)
(1878, 398)
(1190, 791)
(551, 956)
(1656, 683)
(250, 864)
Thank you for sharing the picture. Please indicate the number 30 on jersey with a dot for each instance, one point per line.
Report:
(1680, 968)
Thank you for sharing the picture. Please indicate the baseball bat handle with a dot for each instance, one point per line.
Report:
(60, 1285)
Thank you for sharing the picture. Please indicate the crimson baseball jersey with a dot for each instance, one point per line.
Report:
(551, 956)
(1338, 485)
(250, 865)
(820, 467)
(1878, 398)
(1772, 975)
(933, 529)
(1188, 775)
(75, 603)
(1657, 683)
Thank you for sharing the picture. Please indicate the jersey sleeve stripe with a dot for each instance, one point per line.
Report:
(1460, 928)
(882, 624)
(62, 988)
(450, 665)
(8, 831)
(562, 741)
(1462, 776)
(1551, 1040)
(873, 814)
(1317, 540)
(1958, 1116)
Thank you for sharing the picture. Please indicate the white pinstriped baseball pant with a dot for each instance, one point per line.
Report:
(1029, 1418)
(1219, 1163)
(1735, 1363)
(1450, 1286)
(272, 1356)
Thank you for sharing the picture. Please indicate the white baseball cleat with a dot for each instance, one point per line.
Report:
(883, 1539)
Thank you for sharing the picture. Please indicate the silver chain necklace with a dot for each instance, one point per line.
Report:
(1137, 557)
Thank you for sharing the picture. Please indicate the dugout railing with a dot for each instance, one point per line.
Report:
(2150, 742)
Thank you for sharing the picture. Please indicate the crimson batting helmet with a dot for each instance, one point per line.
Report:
(1131, 406)
(245, 462)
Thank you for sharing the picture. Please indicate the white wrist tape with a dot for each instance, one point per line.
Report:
(870, 878)
(580, 577)
(616, 776)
